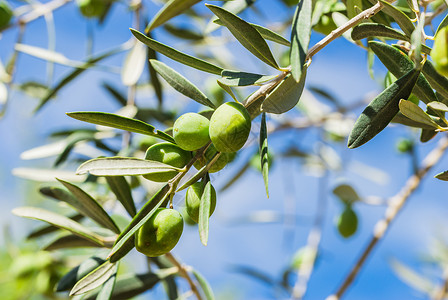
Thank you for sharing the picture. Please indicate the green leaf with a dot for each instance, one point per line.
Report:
(438, 106)
(107, 289)
(50, 228)
(399, 64)
(204, 213)
(199, 174)
(442, 24)
(171, 9)
(412, 278)
(69, 280)
(442, 176)
(237, 78)
(88, 206)
(437, 81)
(120, 166)
(180, 83)
(300, 38)
(177, 55)
(264, 152)
(205, 286)
(416, 42)
(378, 114)
(247, 35)
(69, 241)
(402, 119)
(414, 112)
(154, 79)
(266, 33)
(95, 278)
(234, 6)
(47, 175)
(353, 7)
(115, 93)
(346, 194)
(400, 17)
(125, 240)
(183, 33)
(119, 122)
(227, 88)
(58, 221)
(134, 64)
(285, 96)
(121, 189)
(366, 30)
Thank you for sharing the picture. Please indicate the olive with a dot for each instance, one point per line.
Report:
(193, 199)
(190, 131)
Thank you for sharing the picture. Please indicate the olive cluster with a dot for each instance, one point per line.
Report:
(227, 130)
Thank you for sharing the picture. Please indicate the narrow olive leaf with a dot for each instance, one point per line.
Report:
(366, 30)
(88, 206)
(95, 278)
(183, 33)
(437, 81)
(199, 174)
(442, 176)
(234, 6)
(69, 280)
(264, 152)
(353, 7)
(412, 278)
(399, 64)
(119, 122)
(171, 9)
(121, 166)
(177, 55)
(134, 64)
(416, 42)
(205, 286)
(438, 106)
(378, 114)
(50, 228)
(237, 78)
(58, 221)
(125, 239)
(204, 213)
(120, 187)
(415, 113)
(68, 242)
(180, 83)
(227, 88)
(247, 35)
(47, 175)
(442, 24)
(266, 33)
(115, 93)
(427, 135)
(402, 119)
(107, 289)
(400, 17)
(300, 38)
(285, 96)
(154, 78)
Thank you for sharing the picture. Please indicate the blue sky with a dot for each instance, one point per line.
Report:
(339, 68)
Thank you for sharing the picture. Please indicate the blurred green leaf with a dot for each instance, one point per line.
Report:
(411, 277)
(177, 55)
(47, 175)
(115, 93)
(107, 289)
(227, 89)
(205, 286)
(69, 280)
(285, 96)
(120, 166)
(415, 113)
(85, 204)
(198, 175)
(125, 240)
(180, 83)
(416, 42)
(346, 193)
(69, 241)
(300, 38)
(366, 30)
(183, 33)
(119, 122)
(34, 89)
(264, 158)
(171, 9)
(134, 64)
(437, 81)
(402, 119)
(204, 213)
(442, 24)
(237, 78)
(44, 230)
(95, 278)
(400, 17)
(233, 6)
(378, 114)
(58, 221)
(120, 187)
(247, 35)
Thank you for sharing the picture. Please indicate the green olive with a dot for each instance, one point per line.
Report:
(229, 127)
(6, 14)
(439, 52)
(347, 222)
(190, 131)
(169, 154)
(92, 8)
(193, 198)
(160, 233)
(222, 161)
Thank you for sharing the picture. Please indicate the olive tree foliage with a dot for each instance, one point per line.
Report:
(415, 95)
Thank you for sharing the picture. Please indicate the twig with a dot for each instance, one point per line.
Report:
(366, 14)
(183, 272)
(395, 205)
(41, 10)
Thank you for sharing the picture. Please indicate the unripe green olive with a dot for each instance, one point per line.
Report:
(193, 199)
(325, 25)
(229, 127)
(220, 163)
(439, 52)
(92, 8)
(160, 233)
(347, 222)
(190, 131)
(6, 14)
(169, 154)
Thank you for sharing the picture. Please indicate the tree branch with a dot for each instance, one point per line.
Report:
(395, 205)
(183, 272)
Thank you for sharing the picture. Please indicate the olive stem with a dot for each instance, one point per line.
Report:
(183, 272)
(41, 10)
(396, 203)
